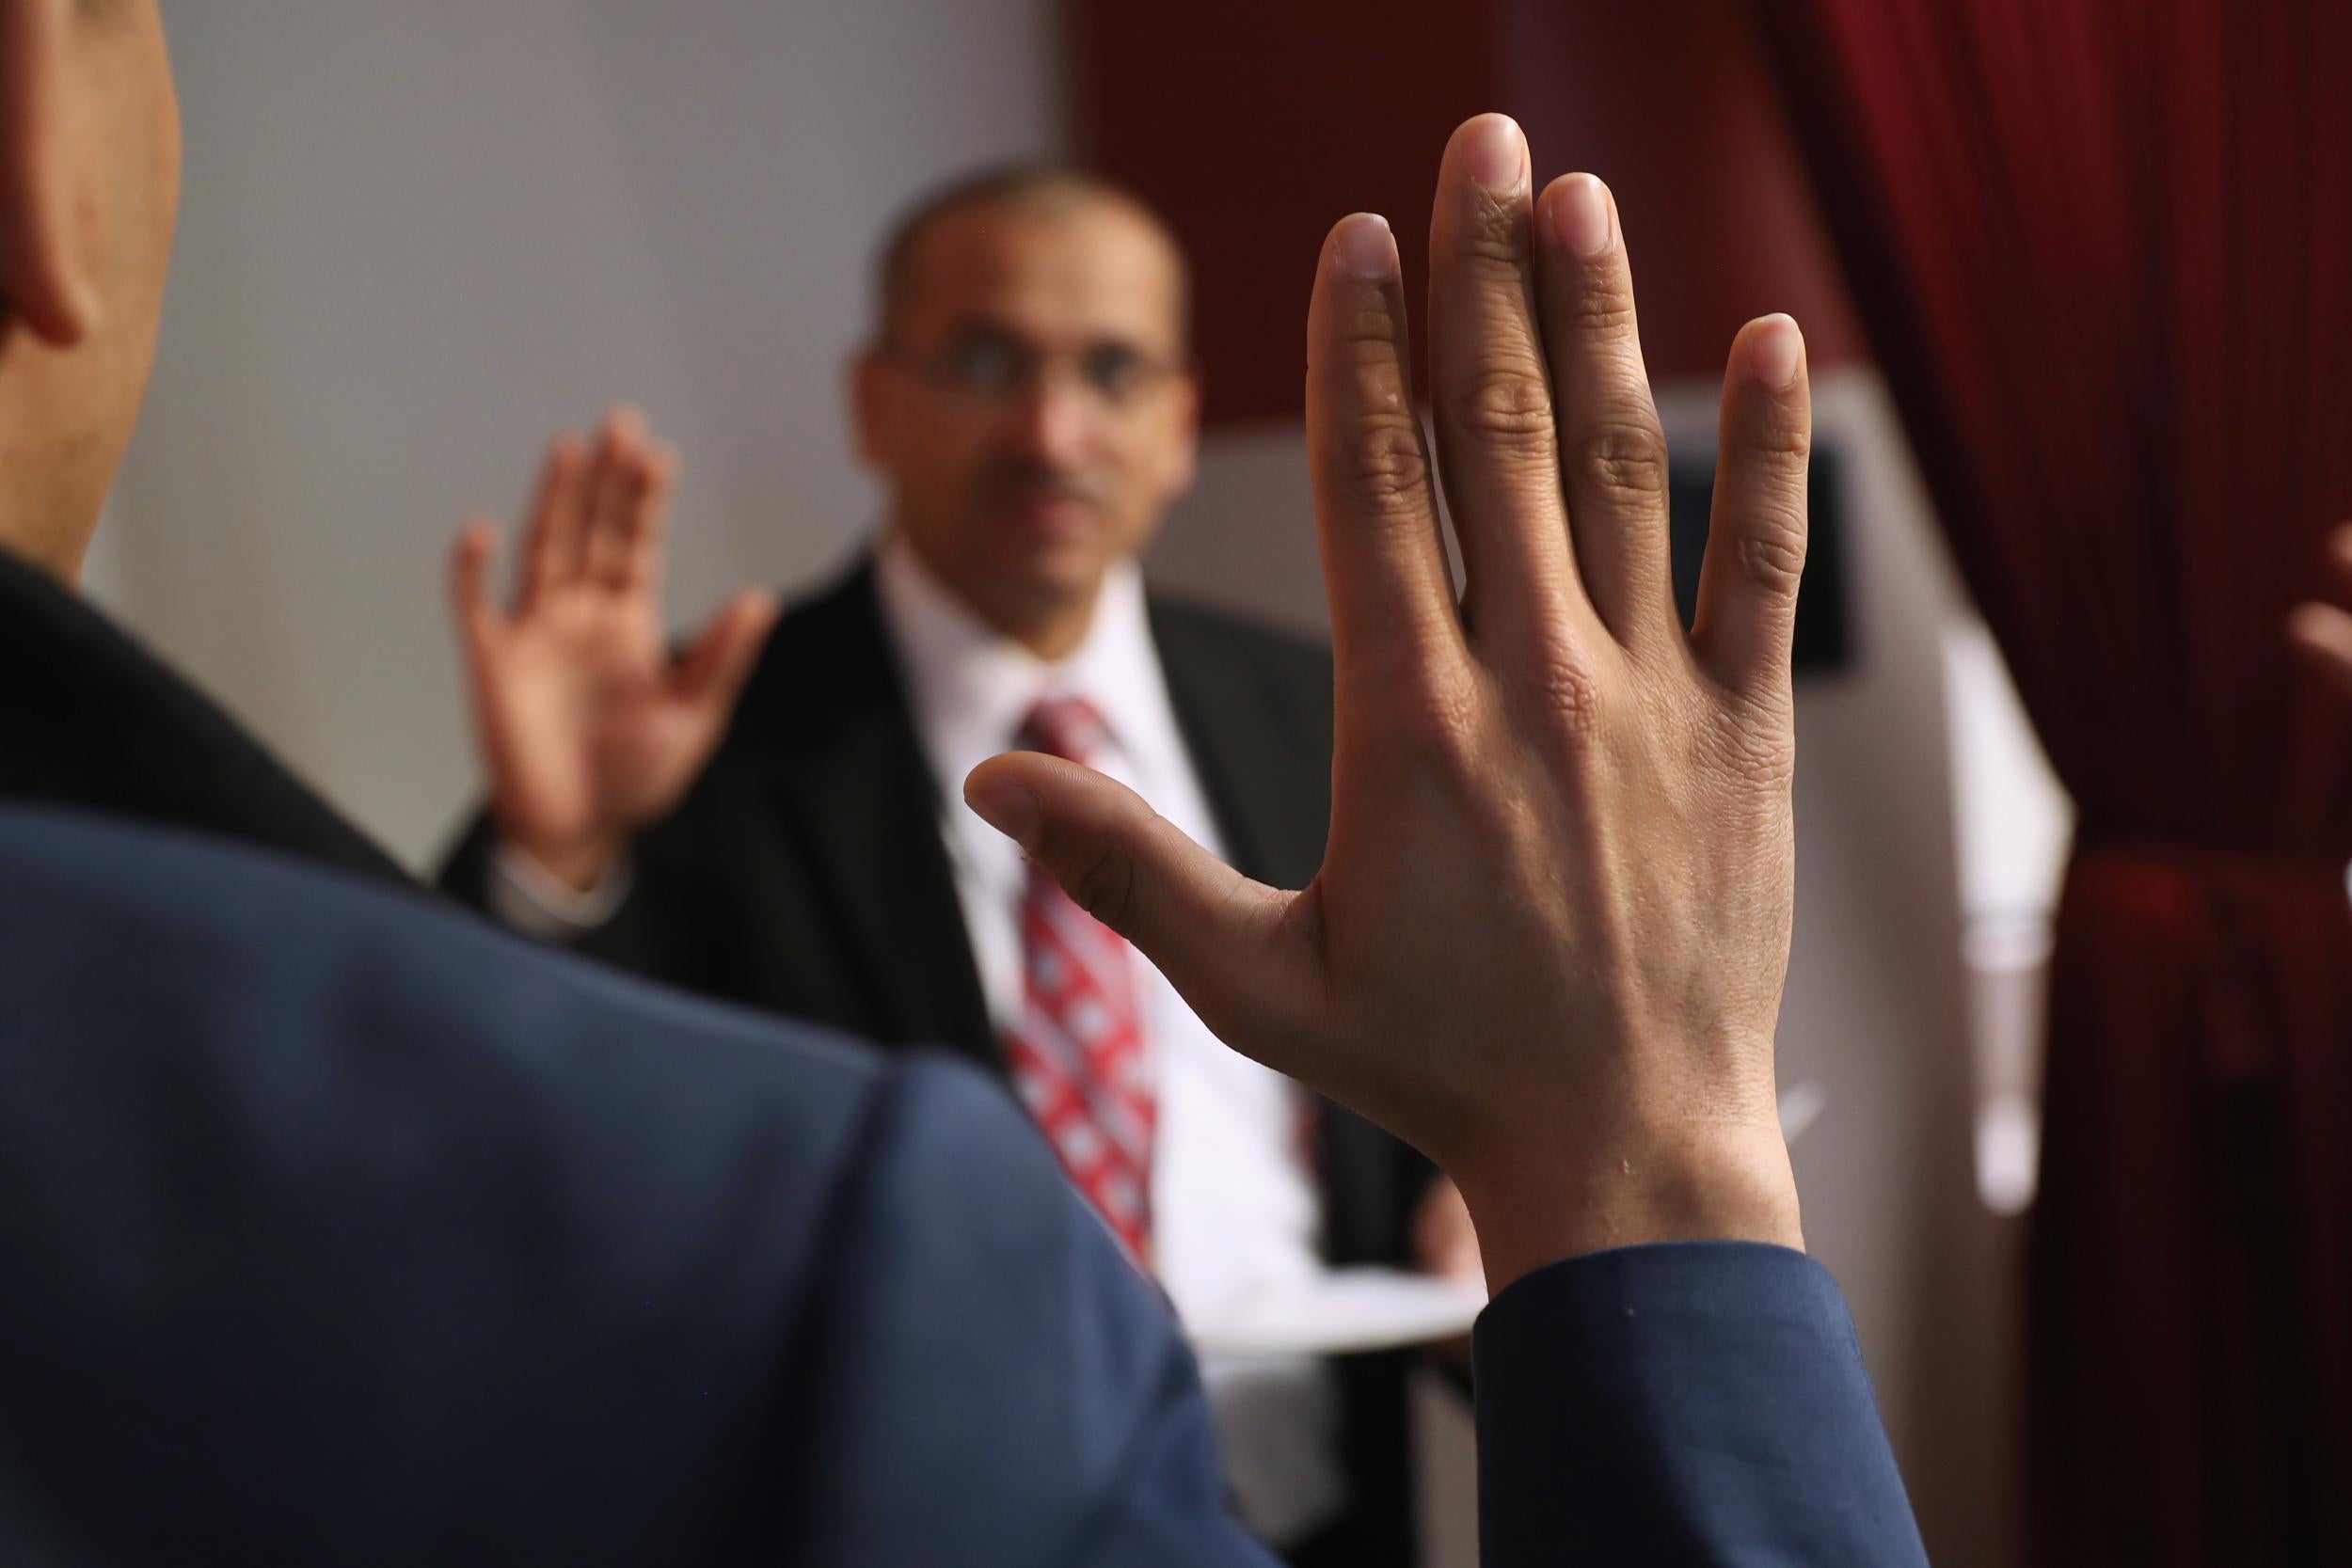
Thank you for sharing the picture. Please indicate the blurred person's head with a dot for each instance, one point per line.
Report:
(1028, 398)
(89, 187)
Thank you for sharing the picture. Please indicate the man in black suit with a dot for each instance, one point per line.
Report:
(339, 1229)
(1029, 403)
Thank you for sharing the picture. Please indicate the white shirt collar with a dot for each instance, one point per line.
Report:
(971, 686)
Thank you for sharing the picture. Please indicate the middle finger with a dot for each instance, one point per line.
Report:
(1498, 448)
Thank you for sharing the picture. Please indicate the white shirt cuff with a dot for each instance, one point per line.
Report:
(526, 895)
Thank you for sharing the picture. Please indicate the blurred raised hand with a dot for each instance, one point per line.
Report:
(2322, 629)
(1549, 939)
(589, 727)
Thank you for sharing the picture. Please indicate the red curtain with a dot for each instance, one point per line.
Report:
(2102, 252)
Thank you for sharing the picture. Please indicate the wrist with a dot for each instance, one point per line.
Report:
(1538, 1205)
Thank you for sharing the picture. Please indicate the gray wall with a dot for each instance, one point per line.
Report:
(418, 238)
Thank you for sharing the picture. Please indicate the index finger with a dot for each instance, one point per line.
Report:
(1393, 616)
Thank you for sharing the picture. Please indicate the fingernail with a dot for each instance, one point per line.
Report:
(1367, 247)
(1007, 805)
(1496, 150)
(1775, 352)
(1581, 213)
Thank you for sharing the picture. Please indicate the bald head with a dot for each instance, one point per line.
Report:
(1028, 399)
(89, 184)
(1043, 193)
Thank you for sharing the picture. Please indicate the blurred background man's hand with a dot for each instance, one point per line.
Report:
(588, 728)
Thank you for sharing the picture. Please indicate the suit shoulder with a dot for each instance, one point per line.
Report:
(249, 926)
(962, 1248)
(563, 1226)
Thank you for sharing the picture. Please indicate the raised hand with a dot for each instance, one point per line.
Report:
(2321, 631)
(1548, 942)
(589, 729)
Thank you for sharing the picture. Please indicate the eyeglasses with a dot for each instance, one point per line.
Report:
(992, 368)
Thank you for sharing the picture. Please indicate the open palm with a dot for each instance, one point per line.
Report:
(589, 727)
(1548, 941)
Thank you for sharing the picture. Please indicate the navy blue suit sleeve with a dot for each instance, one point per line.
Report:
(1701, 1404)
(999, 1378)
(345, 1229)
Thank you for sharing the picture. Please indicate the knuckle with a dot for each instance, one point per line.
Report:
(1783, 440)
(1505, 404)
(1563, 690)
(1380, 468)
(1435, 722)
(1493, 242)
(1450, 713)
(1600, 310)
(1366, 337)
(1568, 695)
(1772, 556)
(1757, 744)
(1100, 878)
(1624, 458)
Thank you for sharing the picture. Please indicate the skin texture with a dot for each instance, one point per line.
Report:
(89, 190)
(1549, 939)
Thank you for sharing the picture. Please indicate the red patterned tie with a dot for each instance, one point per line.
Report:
(1077, 1055)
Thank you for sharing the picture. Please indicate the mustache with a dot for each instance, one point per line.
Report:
(1039, 482)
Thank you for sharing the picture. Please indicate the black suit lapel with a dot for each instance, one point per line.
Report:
(90, 719)
(856, 791)
(1261, 748)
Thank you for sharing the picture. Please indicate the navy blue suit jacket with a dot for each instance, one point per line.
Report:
(343, 1229)
(338, 1227)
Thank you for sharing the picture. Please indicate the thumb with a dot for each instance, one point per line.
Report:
(720, 659)
(1228, 944)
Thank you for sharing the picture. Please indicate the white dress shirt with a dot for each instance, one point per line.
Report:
(1235, 1209)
